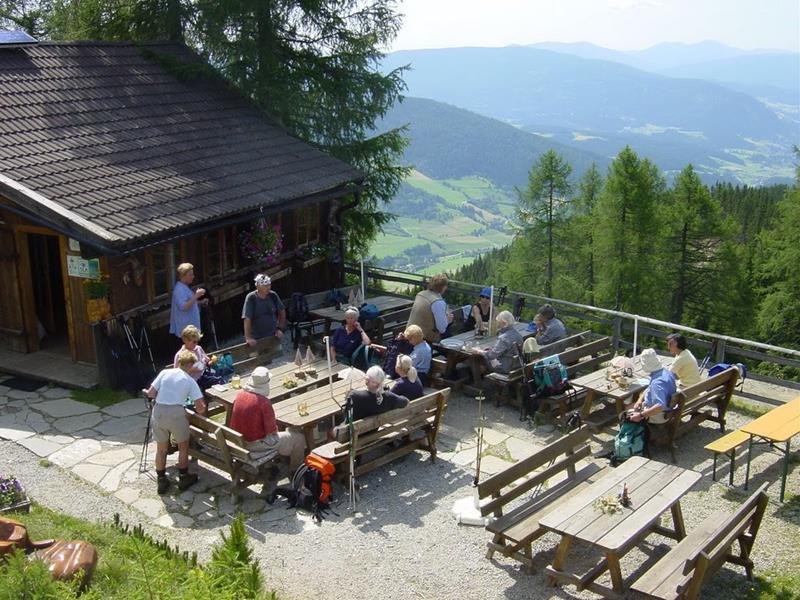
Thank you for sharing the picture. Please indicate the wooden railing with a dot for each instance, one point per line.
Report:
(620, 326)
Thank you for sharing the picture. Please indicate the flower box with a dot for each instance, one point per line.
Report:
(13, 496)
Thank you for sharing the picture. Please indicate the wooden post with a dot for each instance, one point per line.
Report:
(720, 355)
(616, 335)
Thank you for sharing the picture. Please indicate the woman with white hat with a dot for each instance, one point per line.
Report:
(254, 417)
(654, 401)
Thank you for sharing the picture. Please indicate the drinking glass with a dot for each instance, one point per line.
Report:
(236, 382)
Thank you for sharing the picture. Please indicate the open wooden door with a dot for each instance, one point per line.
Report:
(15, 331)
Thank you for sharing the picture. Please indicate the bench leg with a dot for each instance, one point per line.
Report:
(749, 458)
(785, 468)
(733, 465)
(714, 469)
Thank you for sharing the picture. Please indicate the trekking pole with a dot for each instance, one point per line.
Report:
(148, 402)
(213, 325)
(144, 341)
(480, 440)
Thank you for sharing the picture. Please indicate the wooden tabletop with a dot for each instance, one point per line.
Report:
(470, 341)
(597, 382)
(384, 304)
(653, 488)
(319, 403)
(778, 425)
(278, 375)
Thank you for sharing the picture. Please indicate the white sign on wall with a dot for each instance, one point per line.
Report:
(80, 267)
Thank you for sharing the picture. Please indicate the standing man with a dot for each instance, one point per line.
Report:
(171, 389)
(185, 308)
(263, 312)
(685, 366)
(430, 310)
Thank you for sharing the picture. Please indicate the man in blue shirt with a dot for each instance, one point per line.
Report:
(654, 402)
(185, 308)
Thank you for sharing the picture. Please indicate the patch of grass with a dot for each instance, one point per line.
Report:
(100, 397)
(43, 462)
(775, 586)
(747, 408)
(133, 565)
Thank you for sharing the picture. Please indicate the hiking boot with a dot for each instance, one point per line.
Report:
(187, 481)
(163, 485)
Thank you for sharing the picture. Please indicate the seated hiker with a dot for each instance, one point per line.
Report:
(421, 354)
(374, 400)
(407, 384)
(171, 389)
(254, 417)
(549, 329)
(501, 357)
(347, 338)
(653, 402)
(685, 366)
(479, 315)
(191, 341)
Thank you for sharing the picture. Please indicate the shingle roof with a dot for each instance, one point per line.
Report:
(115, 140)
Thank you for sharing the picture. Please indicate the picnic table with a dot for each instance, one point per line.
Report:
(384, 304)
(778, 426)
(278, 392)
(597, 386)
(653, 488)
(458, 348)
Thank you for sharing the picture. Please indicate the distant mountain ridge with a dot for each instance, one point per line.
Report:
(447, 142)
(600, 106)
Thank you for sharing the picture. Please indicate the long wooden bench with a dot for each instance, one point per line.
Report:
(398, 428)
(533, 478)
(505, 382)
(686, 408)
(683, 571)
(226, 449)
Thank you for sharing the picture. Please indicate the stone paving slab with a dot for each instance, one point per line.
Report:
(15, 431)
(89, 472)
(127, 408)
(65, 407)
(120, 426)
(76, 452)
(40, 446)
(111, 458)
(80, 422)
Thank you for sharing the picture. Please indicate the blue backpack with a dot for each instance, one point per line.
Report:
(367, 312)
(720, 367)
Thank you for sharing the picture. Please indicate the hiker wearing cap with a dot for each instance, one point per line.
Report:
(171, 388)
(654, 401)
(549, 329)
(185, 309)
(254, 417)
(685, 367)
(430, 312)
(480, 313)
(263, 312)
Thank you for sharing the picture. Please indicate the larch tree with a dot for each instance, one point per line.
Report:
(542, 205)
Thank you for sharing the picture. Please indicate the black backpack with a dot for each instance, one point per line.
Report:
(298, 308)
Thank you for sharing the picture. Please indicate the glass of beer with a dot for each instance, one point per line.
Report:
(236, 382)
(302, 408)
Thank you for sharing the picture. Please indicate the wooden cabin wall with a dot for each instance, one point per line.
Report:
(14, 327)
(81, 338)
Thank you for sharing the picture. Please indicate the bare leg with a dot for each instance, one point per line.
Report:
(161, 456)
(183, 455)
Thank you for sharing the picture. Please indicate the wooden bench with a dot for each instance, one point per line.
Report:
(514, 532)
(727, 445)
(226, 449)
(398, 426)
(683, 571)
(504, 382)
(687, 408)
(305, 330)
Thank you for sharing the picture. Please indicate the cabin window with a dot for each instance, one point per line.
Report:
(229, 249)
(307, 225)
(214, 247)
(161, 265)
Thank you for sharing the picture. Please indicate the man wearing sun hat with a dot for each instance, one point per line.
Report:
(654, 401)
(263, 312)
(254, 417)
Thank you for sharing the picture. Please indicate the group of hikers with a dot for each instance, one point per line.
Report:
(430, 321)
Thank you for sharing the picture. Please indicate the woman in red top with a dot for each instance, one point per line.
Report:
(254, 417)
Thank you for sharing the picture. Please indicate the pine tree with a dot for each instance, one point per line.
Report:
(542, 205)
(627, 235)
(583, 239)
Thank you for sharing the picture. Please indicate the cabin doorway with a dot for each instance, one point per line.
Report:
(48, 292)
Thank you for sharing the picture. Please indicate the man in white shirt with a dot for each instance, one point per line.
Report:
(171, 389)
(685, 366)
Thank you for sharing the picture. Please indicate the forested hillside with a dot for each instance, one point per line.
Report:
(723, 258)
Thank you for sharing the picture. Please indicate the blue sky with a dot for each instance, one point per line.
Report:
(619, 24)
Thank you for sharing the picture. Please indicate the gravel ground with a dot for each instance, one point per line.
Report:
(404, 542)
